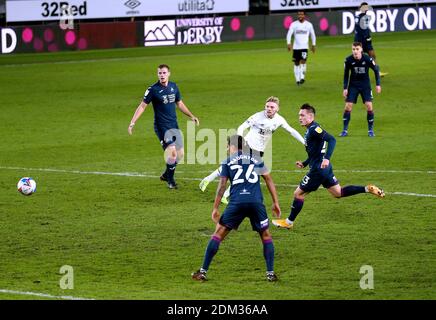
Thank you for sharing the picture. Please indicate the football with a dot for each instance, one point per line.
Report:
(26, 186)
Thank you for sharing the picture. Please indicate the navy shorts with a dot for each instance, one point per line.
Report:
(235, 213)
(354, 91)
(169, 135)
(316, 177)
(299, 54)
(367, 46)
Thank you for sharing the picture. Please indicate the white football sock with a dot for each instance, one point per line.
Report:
(214, 174)
(303, 70)
(297, 73)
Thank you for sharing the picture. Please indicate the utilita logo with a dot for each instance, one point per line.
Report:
(196, 5)
(132, 4)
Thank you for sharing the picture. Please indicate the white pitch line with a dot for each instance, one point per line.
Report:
(43, 295)
(145, 175)
(347, 171)
(412, 194)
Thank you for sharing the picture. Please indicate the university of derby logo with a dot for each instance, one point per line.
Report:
(132, 4)
(160, 33)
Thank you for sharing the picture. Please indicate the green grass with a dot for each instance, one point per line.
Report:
(129, 237)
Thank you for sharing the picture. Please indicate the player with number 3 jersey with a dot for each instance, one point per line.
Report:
(319, 146)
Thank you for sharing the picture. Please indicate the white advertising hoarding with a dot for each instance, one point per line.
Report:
(40, 10)
(276, 5)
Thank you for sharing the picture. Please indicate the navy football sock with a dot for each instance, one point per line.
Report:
(370, 119)
(352, 190)
(211, 250)
(297, 205)
(268, 253)
(171, 168)
(346, 118)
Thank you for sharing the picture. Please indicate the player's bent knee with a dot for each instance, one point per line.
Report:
(336, 191)
(221, 231)
(299, 194)
(180, 154)
(265, 235)
(348, 107)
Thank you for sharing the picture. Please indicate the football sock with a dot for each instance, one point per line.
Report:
(214, 174)
(171, 168)
(370, 118)
(303, 70)
(346, 118)
(268, 253)
(297, 73)
(297, 205)
(211, 250)
(352, 190)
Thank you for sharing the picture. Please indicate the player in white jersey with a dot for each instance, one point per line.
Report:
(262, 125)
(301, 30)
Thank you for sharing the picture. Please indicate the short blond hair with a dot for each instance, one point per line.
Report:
(273, 99)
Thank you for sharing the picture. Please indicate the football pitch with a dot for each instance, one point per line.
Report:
(101, 209)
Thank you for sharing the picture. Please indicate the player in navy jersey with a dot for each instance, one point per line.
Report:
(356, 82)
(246, 201)
(319, 148)
(362, 33)
(165, 96)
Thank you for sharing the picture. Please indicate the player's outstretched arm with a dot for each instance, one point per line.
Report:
(136, 116)
(293, 132)
(272, 190)
(244, 126)
(219, 195)
(186, 111)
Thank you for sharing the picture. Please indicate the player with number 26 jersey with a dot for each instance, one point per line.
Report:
(243, 171)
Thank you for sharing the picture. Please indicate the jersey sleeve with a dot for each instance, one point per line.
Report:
(245, 125)
(284, 124)
(325, 136)
(346, 73)
(148, 95)
(376, 70)
(289, 34)
(225, 170)
(312, 35)
(178, 94)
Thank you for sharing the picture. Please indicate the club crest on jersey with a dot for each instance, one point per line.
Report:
(318, 129)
